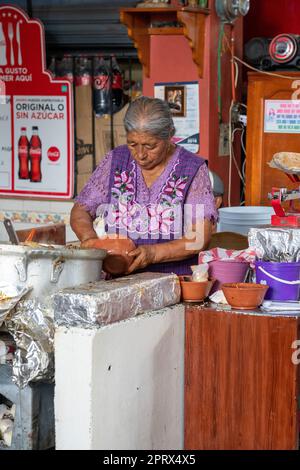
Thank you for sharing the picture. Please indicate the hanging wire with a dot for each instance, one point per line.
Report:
(242, 142)
(264, 72)
(234, 73)
(230, 155)
(234, 58)
(220, 49)
(237, 129)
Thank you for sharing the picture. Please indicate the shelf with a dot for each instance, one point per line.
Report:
(139, 20)
(165, 31)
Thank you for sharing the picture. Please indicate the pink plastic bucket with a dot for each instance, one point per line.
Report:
(227, 271)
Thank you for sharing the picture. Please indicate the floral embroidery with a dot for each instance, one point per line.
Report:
(143, 220)
(162, 219)
(174, 189)
(154, 219)
(128, 216)
(123, 185)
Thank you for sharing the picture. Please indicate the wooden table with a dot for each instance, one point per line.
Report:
(241, 385)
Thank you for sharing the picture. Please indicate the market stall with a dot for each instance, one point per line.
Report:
(141, 314)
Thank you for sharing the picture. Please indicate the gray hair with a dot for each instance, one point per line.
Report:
(150, 115)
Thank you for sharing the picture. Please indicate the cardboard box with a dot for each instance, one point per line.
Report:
(103, 133)
(84, 148)
(84, 129)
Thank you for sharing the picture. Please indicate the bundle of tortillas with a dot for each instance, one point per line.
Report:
(289, 162)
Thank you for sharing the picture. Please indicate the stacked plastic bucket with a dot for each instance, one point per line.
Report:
(240, 219)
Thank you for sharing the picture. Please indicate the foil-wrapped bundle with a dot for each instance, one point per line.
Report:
(278, 244)
(104, 302)
(9, 297)
(31, 325)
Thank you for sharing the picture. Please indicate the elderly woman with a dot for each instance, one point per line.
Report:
(152, 191)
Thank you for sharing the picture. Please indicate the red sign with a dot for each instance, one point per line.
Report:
(36, 114)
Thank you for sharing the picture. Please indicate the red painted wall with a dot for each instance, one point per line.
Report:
(267, 18)
(171, 61)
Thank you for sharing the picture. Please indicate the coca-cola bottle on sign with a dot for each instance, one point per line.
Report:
(117, 85)
(23, 154)
(101, 87)
(35, 155)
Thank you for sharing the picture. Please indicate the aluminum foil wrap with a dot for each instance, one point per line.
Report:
(32, 326)
(276, 244)
(9, 297)
(104, 302)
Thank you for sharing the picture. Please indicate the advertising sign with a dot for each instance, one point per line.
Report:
(282, 116)
(183, 99)
(36, 114)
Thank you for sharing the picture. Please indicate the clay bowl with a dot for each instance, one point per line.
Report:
(244, 296)
(192, 291)
(117, 260)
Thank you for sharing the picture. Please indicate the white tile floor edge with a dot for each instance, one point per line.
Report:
(122, 386)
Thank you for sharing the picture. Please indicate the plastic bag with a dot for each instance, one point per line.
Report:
(200, 272)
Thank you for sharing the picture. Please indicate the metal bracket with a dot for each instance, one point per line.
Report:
(21, 267)
(57, 268)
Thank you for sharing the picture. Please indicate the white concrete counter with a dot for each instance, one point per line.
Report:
(121, 386)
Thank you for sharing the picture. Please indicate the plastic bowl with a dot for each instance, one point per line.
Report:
(244, 296)
(192, 291)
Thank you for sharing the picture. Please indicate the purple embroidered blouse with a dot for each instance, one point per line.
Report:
(181, 195)
(96, 191)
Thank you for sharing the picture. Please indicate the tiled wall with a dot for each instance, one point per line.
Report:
(27, 214)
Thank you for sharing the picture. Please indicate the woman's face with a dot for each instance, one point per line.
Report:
(147, 150)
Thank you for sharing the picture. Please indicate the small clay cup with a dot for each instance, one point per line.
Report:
(244, 296)
(192, 291)
(117, 260)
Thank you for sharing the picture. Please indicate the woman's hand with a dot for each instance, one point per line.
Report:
(82, 223)
(143, 256)
(90, 242)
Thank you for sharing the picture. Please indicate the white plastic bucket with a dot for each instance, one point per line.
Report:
(240, 219)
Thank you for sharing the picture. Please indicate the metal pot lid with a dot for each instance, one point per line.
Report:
(52, 251)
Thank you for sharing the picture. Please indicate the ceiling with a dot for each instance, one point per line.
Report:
(82, 25)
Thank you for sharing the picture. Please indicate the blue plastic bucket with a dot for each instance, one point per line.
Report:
(283, 280)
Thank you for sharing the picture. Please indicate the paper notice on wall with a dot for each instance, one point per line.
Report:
(183, 98)
(44, 116)
(282, 116)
